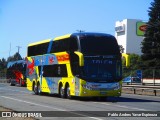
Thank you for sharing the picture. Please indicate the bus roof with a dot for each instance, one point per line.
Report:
(39, 42)
(48, 40)
(15, 62)
(69, 35)
(92, 34)
(62, 37)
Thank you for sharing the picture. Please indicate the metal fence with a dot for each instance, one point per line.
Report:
(2, 75)
(148, 76)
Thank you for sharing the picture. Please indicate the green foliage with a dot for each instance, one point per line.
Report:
(15, 57)
(3, 62)
(135, 64)
(151, 42)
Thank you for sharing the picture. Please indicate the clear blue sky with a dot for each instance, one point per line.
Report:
(26, 21)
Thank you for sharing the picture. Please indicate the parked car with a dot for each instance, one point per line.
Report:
(131, 80)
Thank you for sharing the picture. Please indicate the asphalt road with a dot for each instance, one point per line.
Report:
(20, 99)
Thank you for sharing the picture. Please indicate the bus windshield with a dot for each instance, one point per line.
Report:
(102, 58)
(99, 68)
(98, 45)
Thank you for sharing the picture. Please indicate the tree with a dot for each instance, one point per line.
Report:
(15, 57)
(135, 62)
(3, 67)
(121, 48)
(3, 63)
(151, 42)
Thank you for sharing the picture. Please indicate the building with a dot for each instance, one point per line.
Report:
(129, 34)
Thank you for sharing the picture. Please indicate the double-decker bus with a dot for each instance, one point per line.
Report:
(79, 64)
(16, 72)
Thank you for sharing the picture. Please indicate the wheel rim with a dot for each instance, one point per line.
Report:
(35, 89)
(39, 89)
(61, 92)
(68, 92)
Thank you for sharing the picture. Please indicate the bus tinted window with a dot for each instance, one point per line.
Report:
(54, 70)
(60, 46)
(38, 49)
(73, 45)
(99, 45)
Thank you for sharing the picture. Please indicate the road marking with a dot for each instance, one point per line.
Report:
(15, 90)
(32, 103)
(49, 107)
(122, 106)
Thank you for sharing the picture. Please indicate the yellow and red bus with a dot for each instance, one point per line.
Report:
(79, 64)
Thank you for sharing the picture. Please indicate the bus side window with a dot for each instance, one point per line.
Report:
(73, 46)
(38, 49)
(60, 46)
(54, 70)
(74, 61)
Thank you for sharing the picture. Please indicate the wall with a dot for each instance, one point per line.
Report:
(125, 33)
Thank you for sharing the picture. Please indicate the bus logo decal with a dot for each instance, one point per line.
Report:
(51, 60)
(31, 67)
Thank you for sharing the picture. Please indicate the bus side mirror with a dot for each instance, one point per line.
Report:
(81, 60)
(127, 59)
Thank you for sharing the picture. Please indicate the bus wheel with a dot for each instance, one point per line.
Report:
(39, 89)
(20, 82)
(68, 92)
(61, 92)
(11, 84)
(35, 89)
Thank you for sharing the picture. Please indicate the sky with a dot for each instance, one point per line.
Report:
(26, 21)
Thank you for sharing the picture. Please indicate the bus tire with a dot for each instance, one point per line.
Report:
(68, 92)
(39, 89)
(20, 82)
(61, 92)
(35, 90)
(11, 84)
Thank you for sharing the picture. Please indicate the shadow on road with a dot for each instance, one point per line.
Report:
(125, 99)
(108, 99)
(115, 99)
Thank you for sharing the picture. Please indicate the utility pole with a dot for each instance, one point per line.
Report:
(18, 48)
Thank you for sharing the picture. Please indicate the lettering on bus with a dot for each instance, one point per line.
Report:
(102, 62)
(61, 58)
